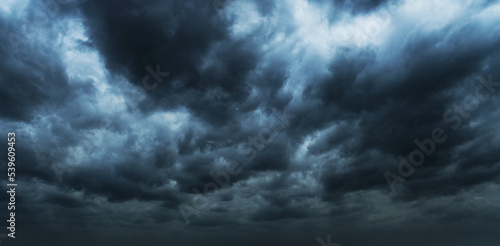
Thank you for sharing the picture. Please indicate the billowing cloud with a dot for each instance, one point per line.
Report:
(253, 122)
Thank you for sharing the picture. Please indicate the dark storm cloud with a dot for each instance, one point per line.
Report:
(131, 35)
(337, 8)
(96, 150)
(360, 6)
(184, 41)
(389, 107)
(26, 75)
(276, 213)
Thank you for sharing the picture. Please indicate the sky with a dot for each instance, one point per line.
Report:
(238, 122)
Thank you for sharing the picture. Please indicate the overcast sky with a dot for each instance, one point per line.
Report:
(238, 122)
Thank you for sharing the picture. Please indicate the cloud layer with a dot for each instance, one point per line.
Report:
(130, 117)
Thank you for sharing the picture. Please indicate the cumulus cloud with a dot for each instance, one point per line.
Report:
(257, 122)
